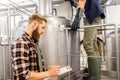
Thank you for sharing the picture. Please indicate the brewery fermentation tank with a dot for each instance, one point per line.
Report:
(111, 51)
(59, 48)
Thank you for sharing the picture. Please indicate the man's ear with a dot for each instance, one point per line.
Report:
(34, 25)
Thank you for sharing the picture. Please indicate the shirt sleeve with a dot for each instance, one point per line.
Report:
(20, 60)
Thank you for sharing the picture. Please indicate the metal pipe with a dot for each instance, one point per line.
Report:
(99, 57)
(39, 11)
(14, 18)
(21, 10)
(26, 6)
(3, 4)
(68, 51)
(45, 7)
(117, 52)
(9, 39)
(4, 66)
(90, 56)
(20, 6)
(103, 25)
(50, 7)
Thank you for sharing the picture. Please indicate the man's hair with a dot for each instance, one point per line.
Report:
(37, 17)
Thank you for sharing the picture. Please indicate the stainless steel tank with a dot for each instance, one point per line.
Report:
(111, 51)
(4, 50)
(54, 44)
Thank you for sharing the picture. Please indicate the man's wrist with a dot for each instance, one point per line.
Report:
(48, 74)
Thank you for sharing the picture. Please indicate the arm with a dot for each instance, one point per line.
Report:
(79, 14)
(20, 60)
(21, 63)
(80, 8)
(52, 72)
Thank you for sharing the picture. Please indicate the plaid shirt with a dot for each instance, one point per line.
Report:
(24, 57)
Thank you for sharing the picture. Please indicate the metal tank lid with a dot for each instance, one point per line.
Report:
(57, 20)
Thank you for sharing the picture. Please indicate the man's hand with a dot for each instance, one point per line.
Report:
(76, 22)
(54, 71)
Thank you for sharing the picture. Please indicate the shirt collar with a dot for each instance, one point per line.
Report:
(28, 36)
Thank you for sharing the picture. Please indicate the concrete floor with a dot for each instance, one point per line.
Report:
(107, 78)
(103, 67)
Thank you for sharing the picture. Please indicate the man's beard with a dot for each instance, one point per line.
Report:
(36, 35)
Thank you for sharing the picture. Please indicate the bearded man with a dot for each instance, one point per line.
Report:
(25, 57)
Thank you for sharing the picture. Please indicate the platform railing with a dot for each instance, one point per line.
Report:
(116, 42)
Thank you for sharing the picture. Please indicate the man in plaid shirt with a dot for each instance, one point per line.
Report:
(25, 61)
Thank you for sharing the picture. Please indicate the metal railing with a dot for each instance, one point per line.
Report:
(116, 42)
